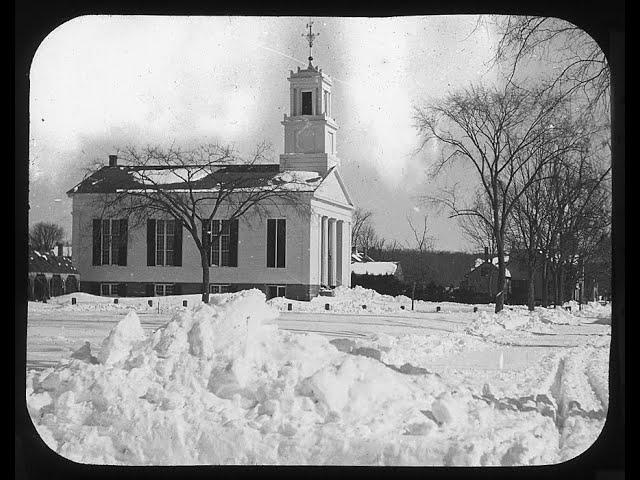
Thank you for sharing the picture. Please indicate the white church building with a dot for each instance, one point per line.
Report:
(284, 253)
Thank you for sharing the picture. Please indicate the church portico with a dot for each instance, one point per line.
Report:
(334, 242)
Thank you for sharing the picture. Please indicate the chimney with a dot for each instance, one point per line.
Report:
(486, 254)
(59, 245)
(113, 160)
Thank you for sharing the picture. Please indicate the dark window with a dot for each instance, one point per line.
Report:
(276, 291)
(218, 288)
(109, 289)
(307, 108)
(276, 243)
(220, 243)
(163, 289)
(220, 238)
(165, 232)
(110, 242)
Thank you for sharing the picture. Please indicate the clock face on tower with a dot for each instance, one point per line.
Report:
(306, 140)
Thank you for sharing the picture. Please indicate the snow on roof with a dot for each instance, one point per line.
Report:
(169, 176)
(494, 262)
(236, 177)
(374, 268)
(49, 263)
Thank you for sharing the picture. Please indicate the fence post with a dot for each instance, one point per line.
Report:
(413, 294)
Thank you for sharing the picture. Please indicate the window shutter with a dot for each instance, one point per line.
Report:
(233, 243)
(122, 289)
(122, 250)
(271, 243)
(95, 288)
(97, 232)
(149, 290)
(281, 243)
(177, 244)
(177, 289)
(206, 239)
(151, 243)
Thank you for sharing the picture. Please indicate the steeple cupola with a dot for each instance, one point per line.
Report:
(309, 129)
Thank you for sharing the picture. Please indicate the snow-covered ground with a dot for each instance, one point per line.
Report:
(245, 381)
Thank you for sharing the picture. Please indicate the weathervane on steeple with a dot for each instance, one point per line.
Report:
(310, 38)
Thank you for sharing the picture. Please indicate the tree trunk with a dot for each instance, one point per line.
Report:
(545, 286)
(499, 239)
(561, 283)
(500, 284)
(531, 299)
(205, 276)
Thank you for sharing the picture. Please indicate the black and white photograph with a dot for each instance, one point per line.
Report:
(325, 240)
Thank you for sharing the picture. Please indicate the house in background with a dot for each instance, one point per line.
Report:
(287, 251)
(362, 264)
(51, 275)
(482, 280)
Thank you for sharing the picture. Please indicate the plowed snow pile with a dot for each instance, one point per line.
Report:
(217, 386)
(351, 300)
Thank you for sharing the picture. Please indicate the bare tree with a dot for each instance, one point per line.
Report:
(582, 218)
(423, 240)
(44, 236)
(476, 229)
(578, 64)
(496, 132)
(368, 239)
(195, 186)
(361, 218)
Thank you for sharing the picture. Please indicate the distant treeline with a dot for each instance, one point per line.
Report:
(437, 275)
(440, 268)
(391, 285)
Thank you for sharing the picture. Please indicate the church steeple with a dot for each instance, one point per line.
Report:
(309, 129)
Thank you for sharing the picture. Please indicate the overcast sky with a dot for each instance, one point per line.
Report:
(99, 83)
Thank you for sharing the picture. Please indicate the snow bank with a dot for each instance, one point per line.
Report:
(89, 303)
(504, 324)
(347, 300)
(216, 385)
(590, 309)
(350, 300)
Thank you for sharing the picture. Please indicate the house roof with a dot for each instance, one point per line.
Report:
(122, 178)
(360, 257)
(493, 264)
(49, 263)
(374, 268)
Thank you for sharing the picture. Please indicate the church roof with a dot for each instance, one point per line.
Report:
(113, 179)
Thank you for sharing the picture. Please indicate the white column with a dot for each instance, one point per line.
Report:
(347, 255)
(339, 252)
(332, 252)
(324, 252)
